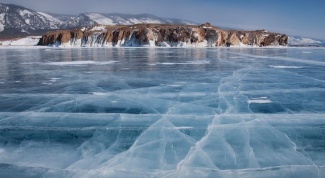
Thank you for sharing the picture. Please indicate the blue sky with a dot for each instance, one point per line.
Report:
(293, 17)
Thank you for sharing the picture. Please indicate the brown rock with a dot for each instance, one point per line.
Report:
(142, 34)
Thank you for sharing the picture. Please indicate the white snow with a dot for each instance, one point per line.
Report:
(202, 44)
(2, 22)
(260, 100)
(240, 45)
(27, 21)
(152, 43)
(25, 12)
(286, 67)
(263, 97)
(120, 20)
(27, 41)
(99, 93)
(309, 40)
(302, 41)
(54, 79)
(135, 21)
(100, 19)
(148, 20)
(51, 18)
(98, 28)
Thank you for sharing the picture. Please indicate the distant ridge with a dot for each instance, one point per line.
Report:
(298, 41)
(18, 21)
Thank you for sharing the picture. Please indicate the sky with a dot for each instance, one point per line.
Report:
(292, 17)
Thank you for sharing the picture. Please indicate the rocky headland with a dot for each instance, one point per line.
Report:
(161, 35)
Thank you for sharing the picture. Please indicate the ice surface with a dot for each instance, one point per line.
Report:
(157, 112)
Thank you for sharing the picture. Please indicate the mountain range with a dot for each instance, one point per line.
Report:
(17, 21)
(297, 41)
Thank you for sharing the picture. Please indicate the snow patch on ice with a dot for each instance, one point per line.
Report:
(286, 67)
(260, 100)
(180, 128)
(263, 97)
(99, 93)
(200, 62)
(54, 79)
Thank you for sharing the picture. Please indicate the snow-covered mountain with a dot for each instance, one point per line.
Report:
(304, 41)
(17, 20)
(125, 19)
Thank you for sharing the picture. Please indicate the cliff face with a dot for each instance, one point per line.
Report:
(161, 35)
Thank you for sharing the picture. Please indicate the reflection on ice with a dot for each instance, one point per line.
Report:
(162, 113)
(80, 63)
(186, 63)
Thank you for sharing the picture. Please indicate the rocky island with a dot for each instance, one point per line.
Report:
(160, 35)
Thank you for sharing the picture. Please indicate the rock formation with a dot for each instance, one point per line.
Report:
(164, 35)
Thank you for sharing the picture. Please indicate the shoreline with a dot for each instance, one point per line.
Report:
(158, 47)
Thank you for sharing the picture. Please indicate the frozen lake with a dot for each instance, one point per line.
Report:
(141, 112)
